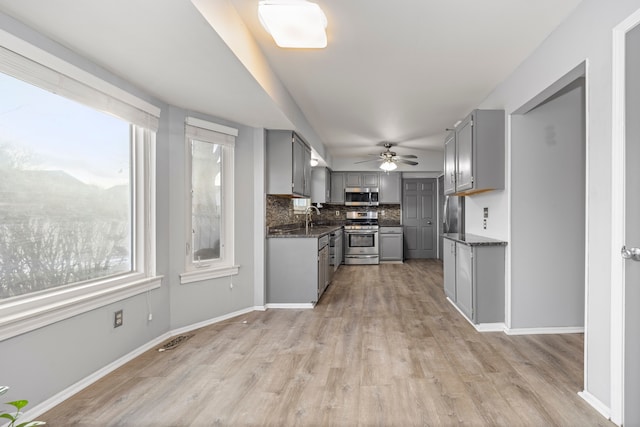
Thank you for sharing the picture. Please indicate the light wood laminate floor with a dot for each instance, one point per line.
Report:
(382, 348)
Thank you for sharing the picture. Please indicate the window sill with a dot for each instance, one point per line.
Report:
(209, 273)
(32, 312)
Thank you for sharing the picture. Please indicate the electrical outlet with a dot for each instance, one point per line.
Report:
(382, 212)
(337, 213)
(484, 223)
(118, 319)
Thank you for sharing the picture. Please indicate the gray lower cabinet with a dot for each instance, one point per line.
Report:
(296, 270)
(336, 250)
(464, 279)
(391, 244)
(449, 268)
(474, 280)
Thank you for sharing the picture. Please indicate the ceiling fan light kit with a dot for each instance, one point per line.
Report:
(294, 23)
(388, 166)
(390, 159)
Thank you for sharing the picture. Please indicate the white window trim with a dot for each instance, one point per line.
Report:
(226, 266)
(32, 311)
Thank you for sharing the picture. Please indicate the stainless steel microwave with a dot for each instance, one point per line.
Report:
(354, 196)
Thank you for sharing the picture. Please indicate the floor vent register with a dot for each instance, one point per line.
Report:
(175, 342)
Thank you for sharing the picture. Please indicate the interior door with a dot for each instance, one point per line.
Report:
(419, 201)
(632, 232)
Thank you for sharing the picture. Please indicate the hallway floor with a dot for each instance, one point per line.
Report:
(382, 348)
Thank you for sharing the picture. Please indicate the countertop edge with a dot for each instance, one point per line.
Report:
(314, 233)
(473, 240)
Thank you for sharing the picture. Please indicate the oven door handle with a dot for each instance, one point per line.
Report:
(362, 232)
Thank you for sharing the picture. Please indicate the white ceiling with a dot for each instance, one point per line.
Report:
(399, 71)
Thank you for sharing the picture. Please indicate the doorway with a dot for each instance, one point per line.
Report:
(625, 273)
(419, 217)
(548, 210)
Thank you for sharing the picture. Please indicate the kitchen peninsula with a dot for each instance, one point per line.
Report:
(298, 265)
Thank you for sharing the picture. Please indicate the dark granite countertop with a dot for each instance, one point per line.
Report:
(473, 240)
(315, 232)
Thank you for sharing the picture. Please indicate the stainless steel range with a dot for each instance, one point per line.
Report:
(361, 238)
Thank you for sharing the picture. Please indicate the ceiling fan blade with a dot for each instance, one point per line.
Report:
(365, 161)
(406, 162)
(407, 156)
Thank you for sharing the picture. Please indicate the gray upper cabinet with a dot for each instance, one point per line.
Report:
(390, 188)
(450, 163)
(288, 167)
(320, 185)
(478, 157)
(370, 179)
(337, 187)
(362, 179)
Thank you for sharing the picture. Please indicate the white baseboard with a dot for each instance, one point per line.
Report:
(208, 322)
(293, 306)
(540, 331)
(490, 327)
(603, 409)
(65, 394)
(480, 327)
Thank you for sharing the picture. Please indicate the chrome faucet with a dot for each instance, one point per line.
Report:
(307, 217)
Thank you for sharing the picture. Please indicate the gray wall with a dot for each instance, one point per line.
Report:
(548, 212)
(584, 35)
(39, 364)
(199, 301)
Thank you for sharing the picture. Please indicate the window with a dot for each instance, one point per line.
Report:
(209, 247)
(76, 194)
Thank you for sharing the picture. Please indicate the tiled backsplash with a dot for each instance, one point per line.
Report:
(280, 212)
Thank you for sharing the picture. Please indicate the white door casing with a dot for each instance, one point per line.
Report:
(618, 225)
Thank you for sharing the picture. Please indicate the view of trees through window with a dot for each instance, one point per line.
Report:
(206, 201)
(65, 191)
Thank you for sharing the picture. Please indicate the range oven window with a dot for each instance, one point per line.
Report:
(362, 240)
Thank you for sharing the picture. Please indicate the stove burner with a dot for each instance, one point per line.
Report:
(361, 221)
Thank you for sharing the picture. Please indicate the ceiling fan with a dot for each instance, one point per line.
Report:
(390, 159)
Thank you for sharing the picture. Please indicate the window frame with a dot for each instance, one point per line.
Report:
(203, 131)
(28, 312)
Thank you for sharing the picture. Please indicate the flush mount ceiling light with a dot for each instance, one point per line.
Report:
(313, 162)
(294, 23)
(388, 165)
